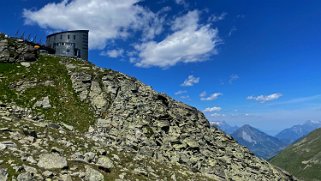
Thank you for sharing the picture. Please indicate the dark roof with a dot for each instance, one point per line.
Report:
(63, 32)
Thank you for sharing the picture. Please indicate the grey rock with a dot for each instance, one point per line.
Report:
(81, 83)
(97, 96)
(191, 143)
(89, 157)
(26, 176)
(2, 146)
(47, 174)
(66, 177)
(25, 64)
(8, 144)
(44, 103)
(69, 127)
(93, 175)
(52, 161)
(103, 123)
(3, 174)
(30, 169)
(140, 171)
(13, 51)
(105, 162)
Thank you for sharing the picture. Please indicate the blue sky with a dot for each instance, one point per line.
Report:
(254, 62)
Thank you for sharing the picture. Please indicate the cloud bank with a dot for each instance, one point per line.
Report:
(190, 42)
(265, 98)
(190, 81)
(211, 97)
(213, 109)
(106, 19)
(184, 39)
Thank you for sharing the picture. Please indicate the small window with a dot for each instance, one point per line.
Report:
(60, 37)
(68, 37)
(74, 37)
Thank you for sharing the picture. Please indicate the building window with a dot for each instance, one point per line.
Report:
(68, 37)
(74, 37)
(60, 37)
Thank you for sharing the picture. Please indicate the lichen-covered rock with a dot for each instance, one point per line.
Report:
(105, 162)
(137, 119)
(93, 175)
(3, 174)
(52, 161)
(12, 50)
(44, 103)
(26, 176)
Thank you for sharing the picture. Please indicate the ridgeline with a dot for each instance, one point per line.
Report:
(65, 119)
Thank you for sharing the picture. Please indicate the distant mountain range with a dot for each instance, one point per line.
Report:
(258, 142)
(222, 125)
(296, 132)
(303, 158)
(262, 144)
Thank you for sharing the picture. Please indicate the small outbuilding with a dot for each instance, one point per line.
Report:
(69, 43)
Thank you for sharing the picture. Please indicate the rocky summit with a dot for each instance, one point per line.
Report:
(64, 119)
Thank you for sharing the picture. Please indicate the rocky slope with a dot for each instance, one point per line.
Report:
(63, 118)
(261, 144)
(34, 149)
(16, 50)
(302, 159)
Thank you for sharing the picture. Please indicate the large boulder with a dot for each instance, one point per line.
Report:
(52, 161)
(16, 50)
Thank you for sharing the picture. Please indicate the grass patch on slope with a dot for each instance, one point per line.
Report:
(66, 106)
(302, 159)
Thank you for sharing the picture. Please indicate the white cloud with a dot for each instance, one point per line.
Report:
(180, 92)
(217, 115)
(181, 2)
(203, 94)
(232, 30)
(190, 42)
(233, 78)
(212, 109)
(190, 81)
(216, 18)
(265, 98)
(211, 97)
(185, 97)
(113, 53)
(186, 41)
(106, 19)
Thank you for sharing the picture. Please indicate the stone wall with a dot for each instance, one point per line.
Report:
(16, 50)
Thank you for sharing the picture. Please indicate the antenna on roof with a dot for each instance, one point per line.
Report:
(22, 35)
(34, 39)
(17, 33)
(28, 38)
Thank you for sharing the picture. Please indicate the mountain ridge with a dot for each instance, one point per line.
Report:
(260, 143)
(294, 133)
(108, 109)
(303, 158)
